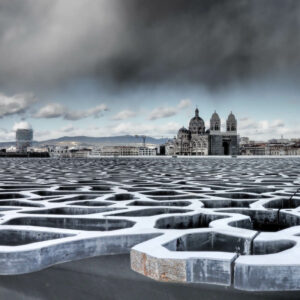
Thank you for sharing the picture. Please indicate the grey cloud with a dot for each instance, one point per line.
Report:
(55, 110)
(141, 42)
(77, 115)
(51, 110)
(162, 112)
(248, 126)
(166, 112)
(124, 115)
(16, 104)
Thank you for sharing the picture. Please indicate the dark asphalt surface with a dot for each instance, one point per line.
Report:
(110, 278)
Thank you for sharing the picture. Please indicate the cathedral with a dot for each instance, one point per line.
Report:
(198, 141)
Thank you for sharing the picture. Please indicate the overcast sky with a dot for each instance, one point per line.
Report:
(115, 67)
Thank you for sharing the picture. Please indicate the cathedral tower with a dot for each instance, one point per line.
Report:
(215, 123)
(231, 123)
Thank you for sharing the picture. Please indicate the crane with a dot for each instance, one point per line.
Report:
(143, 137)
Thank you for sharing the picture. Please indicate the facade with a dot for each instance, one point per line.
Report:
(37, 149)
(119, 151)
(58, 151)
(283, 149)
(270, 148)
(66, 152)
(168, 148)
(253, 149)
(197, 141)
(80, 153)
(128, 151)
(23, 139)
(95, 153)
(147, 151)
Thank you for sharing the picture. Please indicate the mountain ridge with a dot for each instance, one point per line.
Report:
(121, 139)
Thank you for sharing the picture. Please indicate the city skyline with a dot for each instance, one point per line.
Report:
(105, 68)
(23, 124)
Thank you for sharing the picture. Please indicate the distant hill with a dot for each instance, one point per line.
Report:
(123, 139)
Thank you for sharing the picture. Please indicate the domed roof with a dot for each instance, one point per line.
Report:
(183, 130)
(196, 120)
(197, 125)
(215, 116)
(231, 117)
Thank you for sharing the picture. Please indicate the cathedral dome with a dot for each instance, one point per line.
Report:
(183, 133)
(231, 117)
(183, 130)
(197, 124)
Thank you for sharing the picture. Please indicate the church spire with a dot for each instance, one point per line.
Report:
(197, 112)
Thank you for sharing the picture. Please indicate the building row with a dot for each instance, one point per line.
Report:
(92, 152)
(270, 149)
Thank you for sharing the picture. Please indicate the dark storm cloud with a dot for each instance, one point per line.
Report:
(147, 42)
(210, 42)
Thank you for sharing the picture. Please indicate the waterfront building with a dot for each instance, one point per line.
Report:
(24, 138)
